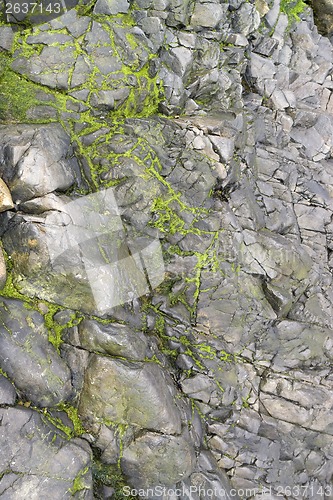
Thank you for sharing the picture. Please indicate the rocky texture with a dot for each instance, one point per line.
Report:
(81, 242)
(129, 393)
(7, 392)
(174, 456)
(113, 339)
(35, 161)
(56, 468)
(28, 357)
(323, 10)
(211, 369)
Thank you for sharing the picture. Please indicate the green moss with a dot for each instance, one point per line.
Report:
(17, 95)
(10, 291)
(109, 475)
(292, 8)
(79, 483)
(56, 421)
(53, 328)
(72, 414)
(245, 401)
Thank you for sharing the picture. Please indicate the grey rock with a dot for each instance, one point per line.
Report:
(47, 38)
(265, 46)
(154, 29)
(41, 113)
(81, 72)
(299, 402)
(37, 461)
(179, 13)
(111, 7)
(29, 359)
(238, 39)
(6, 37)
(129, 392)
(7, 392)
(241, 194)
(207, 15)
(224, 147)
(155, 459)
(106, 61)
(77, 361)
(76, 25)
(210, 478)
(35, 160)
(273, 14)
(299, 347)
(246, 19)
(180, 59)
(44, 203)
(201, 388)
(96, 36)
(109, 99)
(113, 339)
(51, 68)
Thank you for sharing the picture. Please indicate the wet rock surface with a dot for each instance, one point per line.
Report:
(166, 224)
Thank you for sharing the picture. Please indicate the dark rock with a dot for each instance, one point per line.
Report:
(6, 37)
(129, 392)
(58, 239)
(37, 461)
(154, 459)
(36, 160)
(51, 68)
(113, 339)
(111, 7)
(323, 10)
(29, 359)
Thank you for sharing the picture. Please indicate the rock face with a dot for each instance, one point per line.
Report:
(35, 161)
(323, 10)
(166, 224)
(129, 393)
(173, 455)
(28, 357)
(56, 468)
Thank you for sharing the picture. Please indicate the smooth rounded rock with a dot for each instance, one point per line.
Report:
(28, 358)
(154, 459)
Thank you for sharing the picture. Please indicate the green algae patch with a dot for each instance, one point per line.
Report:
(292, 8)
(79, 483)
(72, 414)
(110, 475)
(53, 328)
(17, 95)
(69, 431)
